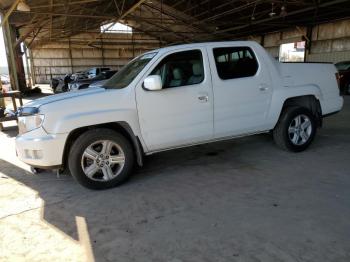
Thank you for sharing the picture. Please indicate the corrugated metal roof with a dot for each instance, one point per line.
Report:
(169, 20)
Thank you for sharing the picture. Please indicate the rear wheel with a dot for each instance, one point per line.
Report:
(295, 129)
(100, 159)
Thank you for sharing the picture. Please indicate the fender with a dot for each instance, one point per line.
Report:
(69, 122)
(136, 143)
(280, 95)
(126, 118)
(87, 110)
(72, 122)
(121, 127)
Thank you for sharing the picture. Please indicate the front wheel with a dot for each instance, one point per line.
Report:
(101, 159)
(295, 129)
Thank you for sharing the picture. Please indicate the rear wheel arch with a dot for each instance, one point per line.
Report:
(121, 127)
(309, 102)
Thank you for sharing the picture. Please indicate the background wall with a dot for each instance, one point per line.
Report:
(330, 42)
(64, 57)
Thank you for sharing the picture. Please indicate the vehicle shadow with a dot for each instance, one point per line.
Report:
(10, 131)
(164, 186)
(36, 96)
(186, 199)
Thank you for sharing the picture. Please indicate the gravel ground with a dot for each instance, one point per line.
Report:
(241, 200)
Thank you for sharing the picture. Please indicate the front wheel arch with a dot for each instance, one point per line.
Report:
(121, 127)
(101, 158)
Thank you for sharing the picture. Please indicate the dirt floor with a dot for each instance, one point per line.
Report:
(242, 200)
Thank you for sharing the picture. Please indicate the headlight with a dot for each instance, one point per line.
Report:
(29, 123)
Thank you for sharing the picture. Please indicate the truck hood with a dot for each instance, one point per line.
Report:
(68, 95)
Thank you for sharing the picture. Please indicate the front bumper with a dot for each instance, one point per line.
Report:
(40, 149)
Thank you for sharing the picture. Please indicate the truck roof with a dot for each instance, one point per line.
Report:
(202, 44)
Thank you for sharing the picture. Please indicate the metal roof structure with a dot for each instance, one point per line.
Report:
(170, 21)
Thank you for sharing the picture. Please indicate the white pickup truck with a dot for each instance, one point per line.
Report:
(175, 97)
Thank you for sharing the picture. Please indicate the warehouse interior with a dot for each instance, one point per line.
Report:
(61, 37)
(243, 199)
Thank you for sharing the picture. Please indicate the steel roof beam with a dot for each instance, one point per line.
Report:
(9, 12)
(326, 4)
(126, 13)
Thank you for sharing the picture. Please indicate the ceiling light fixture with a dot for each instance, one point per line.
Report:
(272, 13)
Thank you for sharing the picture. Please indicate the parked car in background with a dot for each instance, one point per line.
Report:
(95, 71)
(60, 84)
(98, 83)
(89, 73)
(84, 83)
(344, 76)
(176, 97)
(5, 79)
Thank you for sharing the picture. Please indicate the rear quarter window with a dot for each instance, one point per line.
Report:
(235, 62)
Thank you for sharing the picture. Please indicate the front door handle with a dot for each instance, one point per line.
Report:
(203, 98)
(263, 87)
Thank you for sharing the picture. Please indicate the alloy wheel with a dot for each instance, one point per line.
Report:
(103, 160)
(300, 129)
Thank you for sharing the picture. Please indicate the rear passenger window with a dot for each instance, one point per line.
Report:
(181, 69)
(235, 62)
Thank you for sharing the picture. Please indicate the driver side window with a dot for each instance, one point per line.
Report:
(181, 69)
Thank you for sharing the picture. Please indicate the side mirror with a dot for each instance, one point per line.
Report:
(152, 83)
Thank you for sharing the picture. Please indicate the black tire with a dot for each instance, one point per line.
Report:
(280, 132)
(84, 141)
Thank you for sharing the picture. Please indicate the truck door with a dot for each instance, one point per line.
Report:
(242, 90)
(182, 112)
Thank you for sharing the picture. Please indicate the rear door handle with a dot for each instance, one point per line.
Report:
(203, 98)
(263, 87)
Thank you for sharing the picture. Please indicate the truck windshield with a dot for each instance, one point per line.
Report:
(124, 77)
